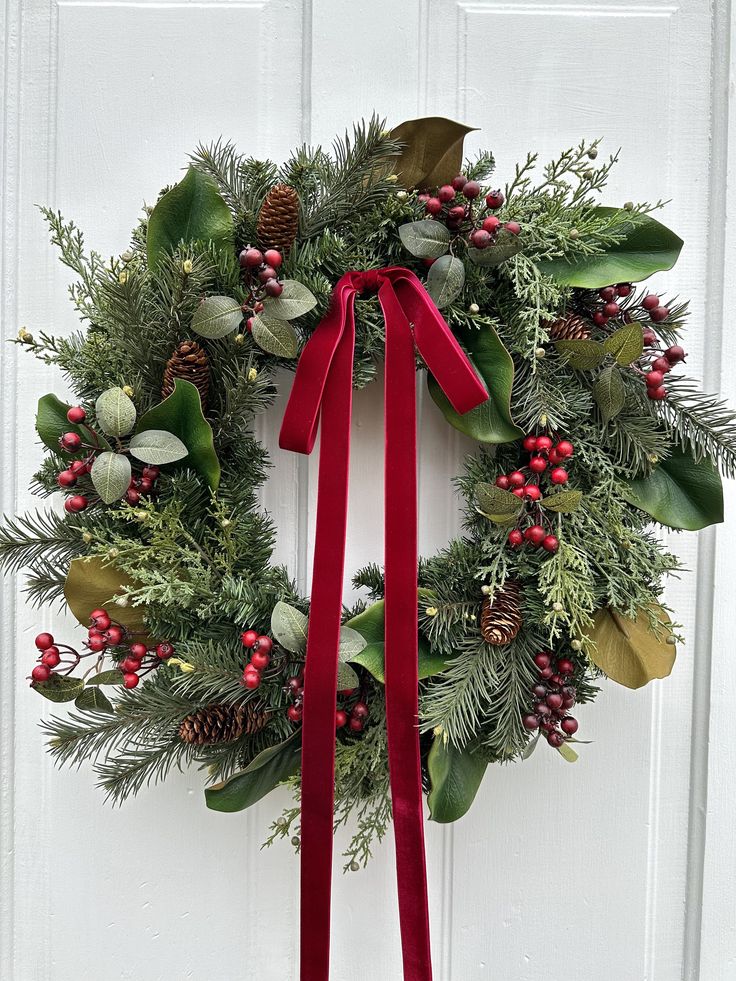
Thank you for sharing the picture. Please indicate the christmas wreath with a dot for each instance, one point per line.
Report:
(193, 648)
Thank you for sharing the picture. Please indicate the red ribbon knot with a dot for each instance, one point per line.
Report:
(322, 392)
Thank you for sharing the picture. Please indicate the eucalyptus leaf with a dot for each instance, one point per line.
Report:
(371, 625)
(52, 423)
(454, 776)
(115, 412)
(274, 336)
(629, 651)
(217, 316)
(114, 677)
(425, 239)
(609, 392)
(582, 355)
(110, 476)
(505, 246)
(295, 300)
(347, 679)
(495, 500)
(58, 689)
(445, 280)
(679, 492)
(432, 153)
(156, 447)
(289, 627)
(626, 344)
(351, 643)
(92, 584)
(262, 775)
(94, 700)
(563, 502)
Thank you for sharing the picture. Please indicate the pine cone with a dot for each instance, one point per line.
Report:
(278, 220)
(222, 723)
(500, 615)
(571, 327)
(190, 363)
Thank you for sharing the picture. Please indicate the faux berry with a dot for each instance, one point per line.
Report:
(555, 739)
(480, 238)
(70, 442)
(273, 288)
(515, 538)
(446, 193)
(249, 637)
(76, 504)
(544, 443)
(542, 660)
(130, 679)
(565, 666)
(164, 650)
(41, 673)
(513, 227)
(457, 213)
(273, 257)
(132, 496)
(494, 200)
(650, 302)
(675, 354)
(657, 394)
(471, 190)
(535, 534)
(129, 664)
(491, 224)
(360, 711)
(251, 680)
(661, 364)
(145, 486)
(658, 314)
(355, 725)
(649, 337)
(565, 449)
(51, 657)
(623, 289)
(76, 415)
(541, 708)
(530, 722)
(519, 492)
(559, 475)
(459, 182)
(532, 492)
(503, 482)
(607, 294)
(151, 473)
(138, 651)
(43, 641)
(97, 643)
(654, 379)
(546, 673)
(264, 644)
(569, 725)
(530, 443)
(537, 464)
(114, 635)
(79, 467)
(260, 660)
(550, 544)
(612, 309)
(99, 619)
(433, 206)
(294, 713)
(516, 479)
(268, 272)
(250, 258)
(600, 319)
(341, 719)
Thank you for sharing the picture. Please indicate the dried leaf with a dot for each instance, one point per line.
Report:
(433, 150)
(629, 651)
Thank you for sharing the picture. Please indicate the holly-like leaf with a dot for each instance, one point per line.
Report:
(295, 300)
(91, 584)
(454, 776)
(181, 415)
(609, 392)
(217, 316)
(270, 768)
(582, 355)
(432, 153)
(563, 502)
(52, 423)
(490, 422)
(425, 239)
(289, 627)
(115, 412)
(274, 336)
(646, 247)
(157, 447)
(506, 245)
(111, 475)
(679, 492)
(630, 651)
(370, 624)
(58, 689)
(445, 280)
(495, 502)
(114, 677)
(192, 211)
(626, 344)
(94, 700)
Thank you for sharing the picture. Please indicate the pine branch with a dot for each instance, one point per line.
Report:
(703, 424)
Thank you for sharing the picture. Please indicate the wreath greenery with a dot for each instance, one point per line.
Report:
(164, 552)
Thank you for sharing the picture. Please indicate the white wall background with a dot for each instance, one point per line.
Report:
(618, 869)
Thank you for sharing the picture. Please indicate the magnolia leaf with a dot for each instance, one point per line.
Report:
(58, 689)
(52, 423)
(567, 753)
(94, 700)
(114, 677)
(564, 502)
(156, 447)
(445, 280)
(91, 584)
(217, 316)
(192, 211)
(630, 651)
(645, 247)
(425, 239)
(111, 475)
(506, 245)
(289, 627)
(274, 336)
(295, 300)
(433, 151)
(370, 624)
(495, 500)
(454, 776)
(490, 422)
(626, 344)
(181, 415)
(582, 355)
(679, 492)
(262, 775)
(347, 679)
(351, 643)
(115, 412)
(609, 392)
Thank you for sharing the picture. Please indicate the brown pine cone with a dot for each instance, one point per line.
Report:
(571, 327)
(278, 220)
(222, 723)
(190, 363)
(500, 615)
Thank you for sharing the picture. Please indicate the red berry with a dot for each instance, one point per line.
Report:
(516, 479)
(546, 673)
(550, 544)
(612, 309)
(294, 713)
(607, 294)
(650, 302)
(70, 442)
(446, 193)
(164, 650)
(250, 258)
(132, 496)
(480, 238)
(130, 680)
(513, 226)
(657, 394)
(138, 651)
(355, 725)
(251, 680)
(422, 198)
(273, 287)
(658, 314)
(515, 538)
(503, 482)
(76, 504)
(41, 673)
(519, 492)
(97, 643)
(530, 721)
(535, 534)
(675, 354)
(260, 660)
(456, 214)
(76, 415)
(99, 619)
(537, 464)
(273, 258)
(554, 700)
(151, 473)
(51, 657)
(79, 467)
(623, 289)
(264, 643)
(459, 182)
(114, 635)
(341, 719)
(554, 457)
(249, 637)
(649, 337)
(43, 641)
(556, 679)
(544, 443)
(433, 206)
(600, 319)
(491, 224)
(565, 449)
(565, 666)
(555, 739)
(471, 190)
(661, 364)
(654, 379)
(530, 443)
(542, 660)
(533, 492)
(569, 725)
(129, 664)
(360, 711)
(559, 475)
(268, 272)
(494, 200)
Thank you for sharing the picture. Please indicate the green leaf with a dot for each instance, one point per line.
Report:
(294, 301)
(192, 211)
(432, 153)
(371, 625)
(58, 689)
(347, 679)
(647, 247)
(94, 700)
(156, 447)
(505, 246)
(425, 239)
(270, 768)
(490, 422)
(181, 414)
(494, 501)
(582, 355)
(274, 336)
(52, 423)
(217, 316)
(351, 643)
(629, 651)
(679, 493)
(564, 502)
(115, 412)
(289, 627)
(110, 476)
(609, 392)
(455, 776)
(91, 584)
(567, 753)
(445, 280)
(626, 344)
(530, 747)
(114, 677)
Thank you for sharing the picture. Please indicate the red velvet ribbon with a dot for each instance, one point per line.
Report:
(323, 391)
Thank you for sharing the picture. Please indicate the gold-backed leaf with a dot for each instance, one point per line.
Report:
(630, 651)
(91, 584)
(433, 150)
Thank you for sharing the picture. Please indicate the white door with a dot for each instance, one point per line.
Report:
(620, 868)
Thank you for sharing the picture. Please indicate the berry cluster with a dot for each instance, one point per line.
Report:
(454, 204)
(608, 308)
(663, 362)
(554, 695)
(261, 277)
(260, 657)
(354, 717)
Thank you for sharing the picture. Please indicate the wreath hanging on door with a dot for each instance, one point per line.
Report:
(195, 641)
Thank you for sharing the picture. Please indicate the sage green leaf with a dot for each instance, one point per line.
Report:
(425, 239)
(445, 280)
(567, 753)
(582, 355)
(679, 492)
(629, 651)
(454, 777)
(217, 316)
(156, 447)
(192, 211)
(110, 476)
(114, 677)
(646, 247)
(115, 412)
(295, 300)
(370, 624)
(505, 246)
(52, 423)
(181, 414)
(347, 679)
(490, 422)
(262, 775)
(94, 700)
(626, 344)
(58, 689)
(432, 153)
(91, 584)
(530, 747)
(609, 392)
(563, 502)
(351, 643)
(289, 627)
(274, 336)
(494, 500)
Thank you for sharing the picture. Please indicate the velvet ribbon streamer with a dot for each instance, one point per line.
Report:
(322, 391)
